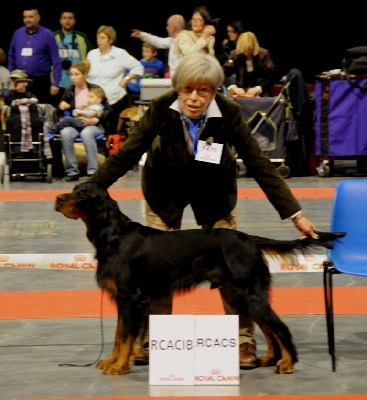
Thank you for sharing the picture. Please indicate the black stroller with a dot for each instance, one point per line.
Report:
(25, 141)
(278, 124)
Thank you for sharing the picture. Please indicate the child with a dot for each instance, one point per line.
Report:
(153, 68)
(93, 108)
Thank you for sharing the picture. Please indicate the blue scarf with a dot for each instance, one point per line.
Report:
(193, 125)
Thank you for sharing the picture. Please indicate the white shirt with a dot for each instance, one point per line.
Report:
(107, 71)
(164, 43)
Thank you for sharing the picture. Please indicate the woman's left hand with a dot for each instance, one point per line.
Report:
(252, 92)
(90, 121)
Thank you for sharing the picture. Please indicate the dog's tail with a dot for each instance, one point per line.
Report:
(303, 246)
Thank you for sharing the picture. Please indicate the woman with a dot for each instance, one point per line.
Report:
(200, 37)
(108, 66)
(75, 96)
(189, 134)
(233, 29)
(4, 72)
(253, 67)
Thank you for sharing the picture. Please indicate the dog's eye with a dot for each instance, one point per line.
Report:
(83, 193)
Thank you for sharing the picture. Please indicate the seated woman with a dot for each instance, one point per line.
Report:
(253, 67)
(74, 97)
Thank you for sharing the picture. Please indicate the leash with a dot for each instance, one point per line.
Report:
(102, 345)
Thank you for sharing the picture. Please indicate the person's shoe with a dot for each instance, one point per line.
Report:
(248, 359)
(143, 358)
(71, 178)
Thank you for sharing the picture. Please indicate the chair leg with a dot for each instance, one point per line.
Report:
(328, 296)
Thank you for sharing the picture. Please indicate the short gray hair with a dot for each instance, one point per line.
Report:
(198, 66)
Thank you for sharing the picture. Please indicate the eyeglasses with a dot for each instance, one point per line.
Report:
(202, 92)
(197, 20)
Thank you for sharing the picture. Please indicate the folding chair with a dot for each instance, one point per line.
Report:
(349, 255)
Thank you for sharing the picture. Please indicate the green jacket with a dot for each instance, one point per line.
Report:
(83, 42)
(172, 179)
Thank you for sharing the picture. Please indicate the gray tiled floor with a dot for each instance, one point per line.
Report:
(31, 350)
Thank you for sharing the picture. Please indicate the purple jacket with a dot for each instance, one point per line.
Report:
(35, 53)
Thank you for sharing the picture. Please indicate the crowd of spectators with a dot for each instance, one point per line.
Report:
(47, 58)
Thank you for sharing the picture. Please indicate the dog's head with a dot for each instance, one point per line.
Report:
(85, 199)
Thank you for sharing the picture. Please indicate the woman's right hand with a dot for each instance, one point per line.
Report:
(135, 33)
(208, 30)
(64, 105)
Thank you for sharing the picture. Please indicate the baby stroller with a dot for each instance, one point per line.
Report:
(27, 149)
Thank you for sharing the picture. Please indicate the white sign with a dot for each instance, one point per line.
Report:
(171, 351)
(216, 350)
(193, 350)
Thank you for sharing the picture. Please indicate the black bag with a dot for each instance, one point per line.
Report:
(355, 63)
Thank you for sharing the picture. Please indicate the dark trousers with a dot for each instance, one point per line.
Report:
(56, 100)
(40, 86)
(117, 108)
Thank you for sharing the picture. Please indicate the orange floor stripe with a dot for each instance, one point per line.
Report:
(262, 397)
(136, 194)
(87, 303)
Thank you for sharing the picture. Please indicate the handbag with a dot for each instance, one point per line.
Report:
(114, 142)
(355, 63)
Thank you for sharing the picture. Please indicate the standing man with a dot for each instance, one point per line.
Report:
(73, 47)
(33, 49)
(175, 24)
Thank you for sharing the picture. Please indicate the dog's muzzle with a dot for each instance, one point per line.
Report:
(63, 200)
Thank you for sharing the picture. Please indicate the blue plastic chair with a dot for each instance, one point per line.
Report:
(349, 255)
(52, 136)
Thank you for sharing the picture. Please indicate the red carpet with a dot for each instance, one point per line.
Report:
(87, 303)
(136, 194)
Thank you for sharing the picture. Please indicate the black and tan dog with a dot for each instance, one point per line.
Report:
(137, 263)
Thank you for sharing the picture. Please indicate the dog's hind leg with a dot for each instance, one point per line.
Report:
(280, 344)
(118, 362)
(273, 353)
(255, 306)
(287, 357)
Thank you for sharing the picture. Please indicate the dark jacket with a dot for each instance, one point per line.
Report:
(9, 95)
(69, 97)
(263, 74)
(172, 179)
(83, 42)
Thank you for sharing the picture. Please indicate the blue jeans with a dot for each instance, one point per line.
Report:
(88, 136)
(68, 121)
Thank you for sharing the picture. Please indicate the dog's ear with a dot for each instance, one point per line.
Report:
(90, 194)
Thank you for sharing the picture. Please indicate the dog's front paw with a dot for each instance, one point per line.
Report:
(266, 361)
(117, 369)
(104, 364)
(284, 368)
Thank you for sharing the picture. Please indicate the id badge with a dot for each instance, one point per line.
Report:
(27, 51)
(209, 152)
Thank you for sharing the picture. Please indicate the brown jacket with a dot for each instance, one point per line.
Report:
(172, 179)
